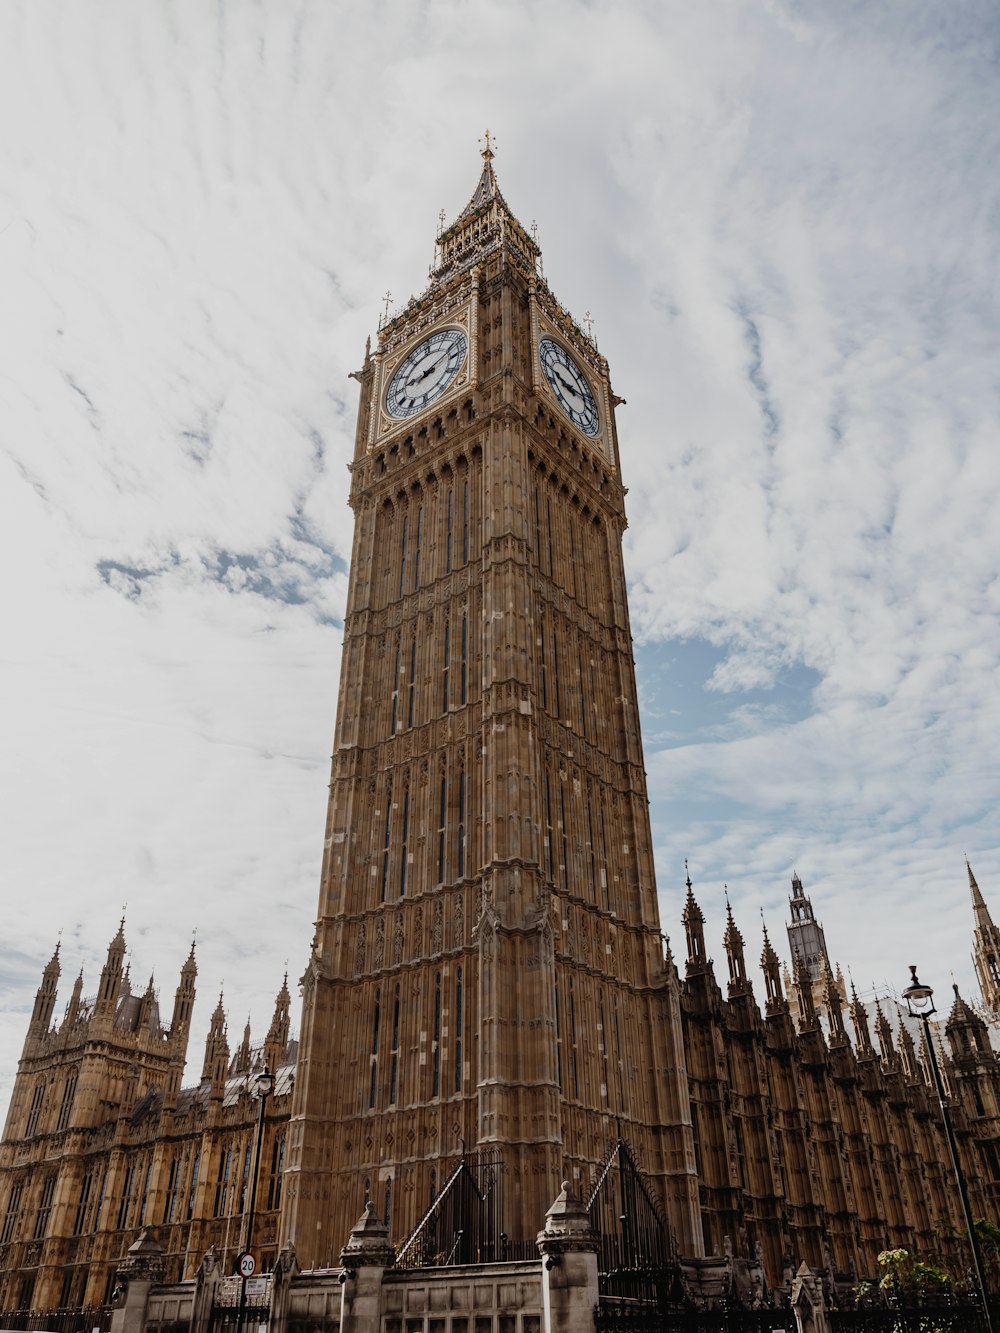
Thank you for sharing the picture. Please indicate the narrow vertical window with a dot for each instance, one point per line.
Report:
(448, 539)
(445, 666)
(548, 827)
(376, 1020)
(169, 1203)
(602, 1045)
(582, 694)
(555, 670)
(572, 553)
(460, 844)
(192, 1192)
(416, 554)
(45, 1207)
(465, 523)
(442, 820)
(584, 591)
(548, 513)
(572, 1040)
(36, 1110)
(388, 1201)
(590, 843)
(87, 1184)
(458, 1032)
(395, 694)
(13, 1213)
(413, 681)
(565, 839)
(385, 843)
(559, 1066)
(436, 1048)
(69, 1091)
(604, 857)
(126, 1199)
(394, 1066)
(402, 556)
(277, 1169)
(541, 660)
(222, 1183)
(463, 680)
(404, 854)
(144, 1195)
(538, 529)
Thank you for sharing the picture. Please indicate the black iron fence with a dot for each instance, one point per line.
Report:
(59, 1321)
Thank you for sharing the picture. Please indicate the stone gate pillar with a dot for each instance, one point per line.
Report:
(569, 1266)
(142, 1266)
(808, 1303)
(365, 1258)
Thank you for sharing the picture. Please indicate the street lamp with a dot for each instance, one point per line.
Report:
(920, 1003)
(265, 1086)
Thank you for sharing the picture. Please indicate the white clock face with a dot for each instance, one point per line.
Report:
(426, 372)
(569, 385)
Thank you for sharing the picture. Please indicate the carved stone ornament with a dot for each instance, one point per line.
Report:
(567, 1225)
(380, 944)
(397, 940)
(368, 1245)
(144, 1260)
(359, 953)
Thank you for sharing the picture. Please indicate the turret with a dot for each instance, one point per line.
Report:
(216, 1063)
(883, 1030)
(859, 1020)
(771, 968)
(733, 941)
(907, 1054)
(276, 1043)
(834, 1006)
(73, 1008)
(804, 994)
(180, 1022)
(241, 1060)
(45, 997)
(966, 1031)
(694, 930)
(986, 953)
(112, 975)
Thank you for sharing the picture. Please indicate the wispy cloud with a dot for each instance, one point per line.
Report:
(785, 220)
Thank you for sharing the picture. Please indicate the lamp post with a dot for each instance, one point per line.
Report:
(265, 1086)
(920, 1003)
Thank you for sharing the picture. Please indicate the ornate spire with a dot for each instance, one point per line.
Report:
(986, 951)
(883, 1030)
(45, 996)
(804, 992)
(733, 941)
(859, 1020)
(694, 926)
(484, 225)
(216, 1062)
(771, 967)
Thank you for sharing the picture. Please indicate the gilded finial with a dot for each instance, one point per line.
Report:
(386, 301)
(588, 319)
(487, 152)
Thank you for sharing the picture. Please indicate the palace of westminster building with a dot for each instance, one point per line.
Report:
(488, 977)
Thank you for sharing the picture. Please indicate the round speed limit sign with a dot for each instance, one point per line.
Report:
(246, 1265)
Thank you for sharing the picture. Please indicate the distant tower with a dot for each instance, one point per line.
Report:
(805, 935)
(986, 953)
(807, 943)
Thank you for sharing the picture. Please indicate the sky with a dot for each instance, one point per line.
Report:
(784, 220)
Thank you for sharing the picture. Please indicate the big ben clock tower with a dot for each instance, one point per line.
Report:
(487, 974)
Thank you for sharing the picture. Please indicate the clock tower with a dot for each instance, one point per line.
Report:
(487, 976)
